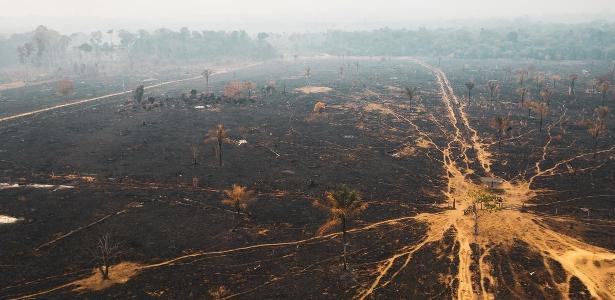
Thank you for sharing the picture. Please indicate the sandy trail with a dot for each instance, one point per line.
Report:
(88, 100)
(593, 266)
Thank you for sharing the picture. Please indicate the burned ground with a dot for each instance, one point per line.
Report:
(128, 171)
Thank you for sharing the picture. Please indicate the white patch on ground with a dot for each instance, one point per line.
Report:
(241, 142)
(314, 89)
(199, 107)
(8, 219)
(4, 185)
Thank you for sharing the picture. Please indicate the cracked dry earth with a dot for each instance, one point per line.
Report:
(515, 255)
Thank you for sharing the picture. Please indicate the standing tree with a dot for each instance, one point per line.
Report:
(220, 135)
(571, 78)
(555, 78)
(206, 74)
(138, 94)
(539, 79)
(470, 86)
(238, 197)
(521, 74)
(308, 72)
(542, 109)
(501, 125)
(105, 251)
(487, 201)
(410, 93)
(342, 205)
(595, 127)
(546, 95)
(604, 89)
(493, 86)
(195, 154)
(522, 91)
(356, 64)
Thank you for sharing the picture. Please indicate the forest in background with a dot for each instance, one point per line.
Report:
(50, 49)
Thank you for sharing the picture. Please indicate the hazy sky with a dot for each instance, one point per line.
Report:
(279, 15)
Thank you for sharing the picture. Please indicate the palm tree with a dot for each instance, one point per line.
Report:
(572, 78)
(546, 95)
(342, 205)
(604, 89)
(470, 86)
(220, 135)
(410, 92)
(501, 125)
(238, 198)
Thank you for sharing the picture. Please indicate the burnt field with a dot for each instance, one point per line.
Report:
(143, 175)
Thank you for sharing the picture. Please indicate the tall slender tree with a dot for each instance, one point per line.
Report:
(469, 86)
(220, 135)
(342, 205)
(206, 74)
(501, 125)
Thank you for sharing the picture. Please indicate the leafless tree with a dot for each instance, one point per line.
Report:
(195, 154)
(572, 78)
(105, 252)
(493, 86)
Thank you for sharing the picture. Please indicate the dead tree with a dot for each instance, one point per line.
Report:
(572, 78)
(493, 86)
(105, 252)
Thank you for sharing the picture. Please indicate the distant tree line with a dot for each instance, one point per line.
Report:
(535, 41)
(49, 49)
